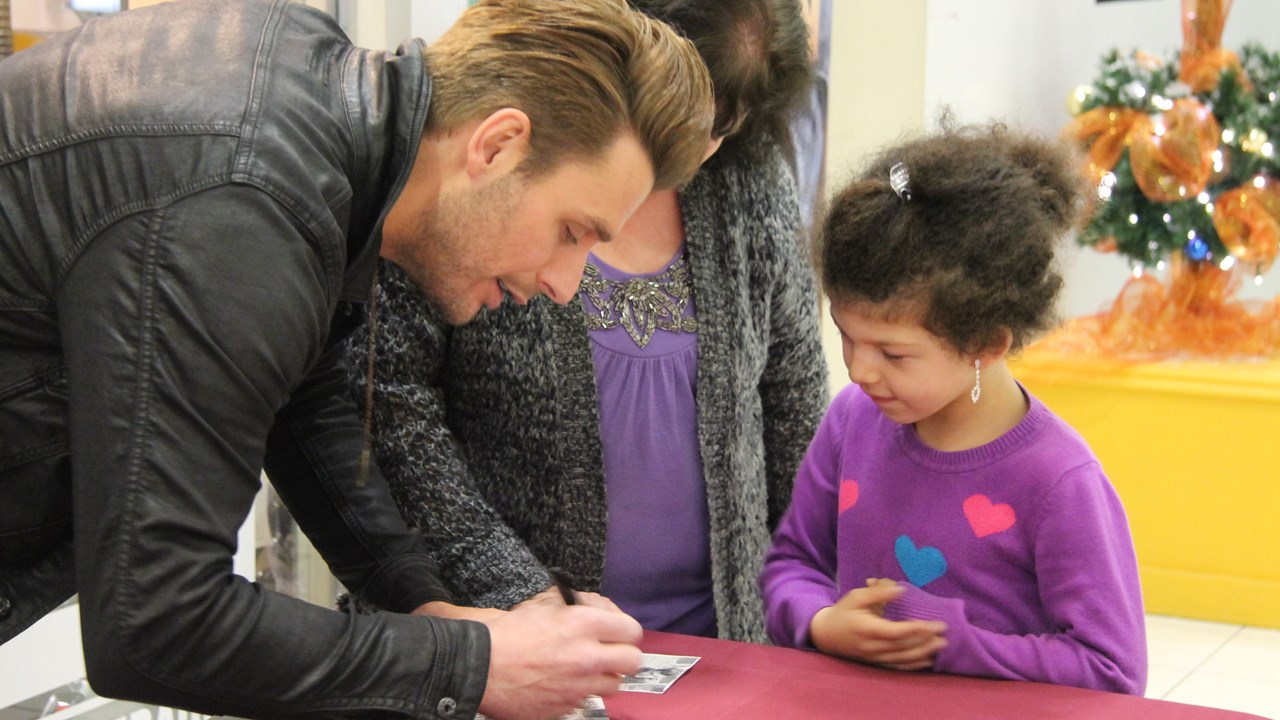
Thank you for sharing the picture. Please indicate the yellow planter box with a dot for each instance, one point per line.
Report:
(1193, 448)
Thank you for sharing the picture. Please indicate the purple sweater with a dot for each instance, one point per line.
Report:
(1020, 546)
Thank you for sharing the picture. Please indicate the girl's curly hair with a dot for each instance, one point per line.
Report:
(970, 254)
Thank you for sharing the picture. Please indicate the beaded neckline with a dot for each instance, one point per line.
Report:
(641, 305)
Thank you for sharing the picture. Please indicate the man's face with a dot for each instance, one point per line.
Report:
(527, 237)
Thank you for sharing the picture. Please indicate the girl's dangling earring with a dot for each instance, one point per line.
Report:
(976, 392)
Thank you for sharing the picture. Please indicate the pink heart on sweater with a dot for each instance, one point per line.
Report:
(987, 518)
(848, 494)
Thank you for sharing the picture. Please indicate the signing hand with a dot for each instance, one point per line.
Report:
(544, 659)
(852, 629)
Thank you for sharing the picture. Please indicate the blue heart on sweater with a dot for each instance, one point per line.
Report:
(921, 565)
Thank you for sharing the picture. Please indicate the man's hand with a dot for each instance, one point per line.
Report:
(852, 629)
(545, 659)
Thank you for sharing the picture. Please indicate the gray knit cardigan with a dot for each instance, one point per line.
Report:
(488, 434)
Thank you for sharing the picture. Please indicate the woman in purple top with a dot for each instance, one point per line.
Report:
(943, 517)
(657, 562)
(642, 439)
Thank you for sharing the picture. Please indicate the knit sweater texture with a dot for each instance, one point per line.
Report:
(1020, 546)
(489, 433)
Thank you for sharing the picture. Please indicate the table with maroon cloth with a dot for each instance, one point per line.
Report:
(742, 681)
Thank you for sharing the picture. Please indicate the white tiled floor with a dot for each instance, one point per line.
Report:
(1213, 664)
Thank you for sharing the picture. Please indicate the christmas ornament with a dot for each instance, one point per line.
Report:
(1197, 249)
(1077, 98)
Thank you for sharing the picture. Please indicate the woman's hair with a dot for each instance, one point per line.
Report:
(585, 72)
(968, 248)
(758, 54)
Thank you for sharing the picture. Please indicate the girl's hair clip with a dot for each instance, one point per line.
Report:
(900, 180)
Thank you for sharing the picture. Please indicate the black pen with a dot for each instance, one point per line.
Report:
(561, 580)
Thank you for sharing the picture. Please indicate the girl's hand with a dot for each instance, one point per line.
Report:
(878, 609)
(852, 629)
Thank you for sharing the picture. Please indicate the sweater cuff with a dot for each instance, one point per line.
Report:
(916, 604)
(801, 610)
(497, 573)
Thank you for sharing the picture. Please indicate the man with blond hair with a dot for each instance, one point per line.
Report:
(193, 200)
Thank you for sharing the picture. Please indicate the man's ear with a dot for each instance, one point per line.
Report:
(498, 143)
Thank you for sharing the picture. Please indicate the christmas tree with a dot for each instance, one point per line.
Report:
(1184, 153)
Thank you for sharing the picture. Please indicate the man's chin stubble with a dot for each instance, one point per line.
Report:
(451, 313)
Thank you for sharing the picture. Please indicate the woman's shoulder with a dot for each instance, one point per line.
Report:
(762, 166)
(750, 199)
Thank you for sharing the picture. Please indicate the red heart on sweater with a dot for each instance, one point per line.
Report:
(985, 517)
(848, 494)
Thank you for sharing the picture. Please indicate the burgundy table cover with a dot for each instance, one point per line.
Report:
(742, 681)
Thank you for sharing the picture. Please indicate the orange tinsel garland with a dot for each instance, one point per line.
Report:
(1203, 60)
(1195, 315)
(1247, 220)
(1105, 131)
(1171, 154)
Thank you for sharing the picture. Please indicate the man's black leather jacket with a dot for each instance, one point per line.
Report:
(191, 198)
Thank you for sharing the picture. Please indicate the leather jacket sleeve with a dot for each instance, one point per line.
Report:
(190, 333)
(313, 460)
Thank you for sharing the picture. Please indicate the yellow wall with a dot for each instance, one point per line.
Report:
(877, 79)
(876, 94)
(1189, 449)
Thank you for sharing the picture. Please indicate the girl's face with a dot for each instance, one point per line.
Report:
(911, 374)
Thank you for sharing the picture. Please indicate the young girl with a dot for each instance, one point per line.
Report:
(943, 517)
